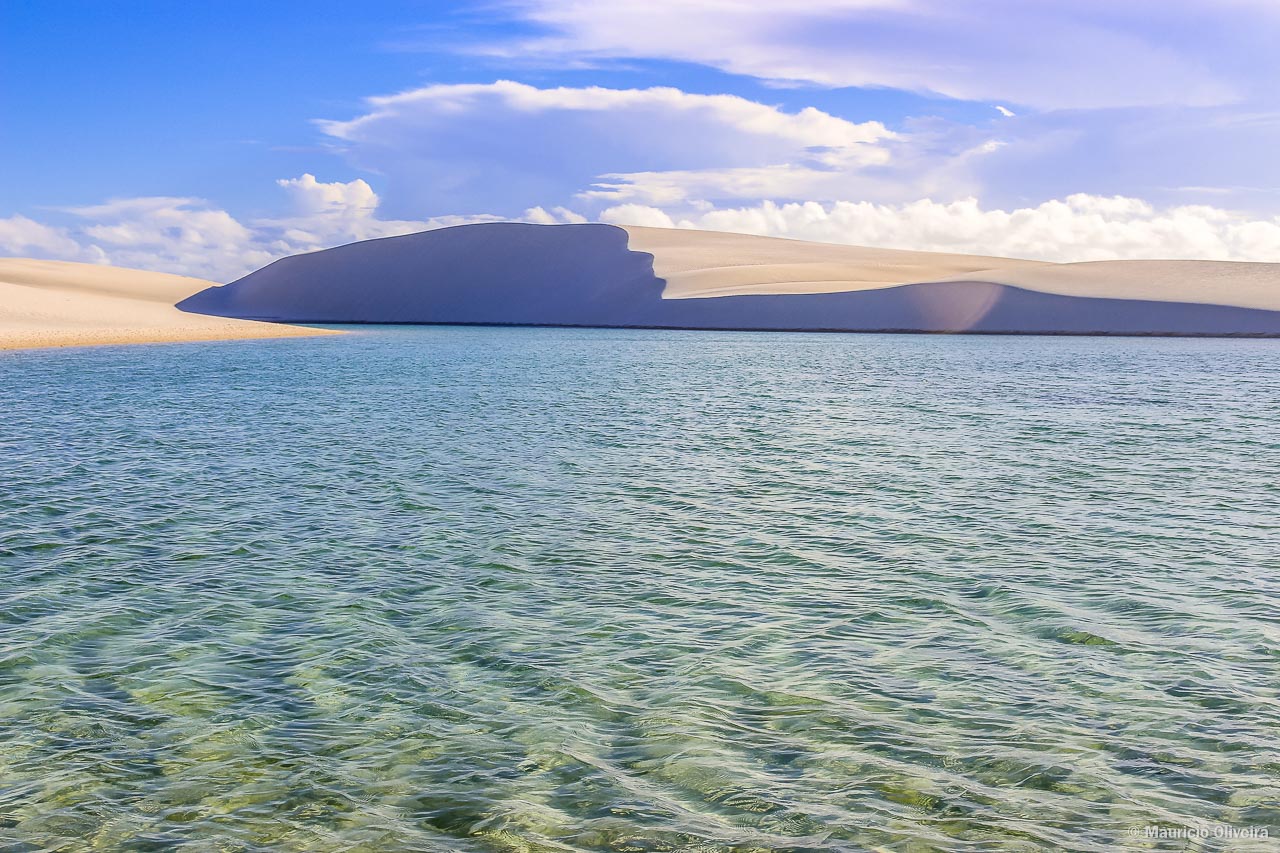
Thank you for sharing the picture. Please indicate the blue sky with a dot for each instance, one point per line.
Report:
(211, 138)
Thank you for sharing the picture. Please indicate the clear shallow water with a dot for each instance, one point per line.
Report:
(538, 590)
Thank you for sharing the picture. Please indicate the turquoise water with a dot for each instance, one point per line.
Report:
(468, 589)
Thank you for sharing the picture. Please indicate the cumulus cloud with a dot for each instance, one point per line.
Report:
(509, 146)
(554, 216)
(1050, 54)
(505, 147)
(1077, 228)
(22, 236)
(191, 237)
(182, 235)
(1189, 118)
(315, 198)
(329, 214)
(652, 217)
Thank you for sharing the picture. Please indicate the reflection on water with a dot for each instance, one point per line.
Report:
(454, 589)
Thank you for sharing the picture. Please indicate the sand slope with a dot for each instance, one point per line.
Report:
(57, 303)
(602, 275)
(698, 264)
(1240, 284)
(706, 263)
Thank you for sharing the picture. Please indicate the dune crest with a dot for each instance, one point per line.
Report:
(59, 303)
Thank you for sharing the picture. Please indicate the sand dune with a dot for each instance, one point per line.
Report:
(705, 263)
(56, 304)
(710, 263)
(602, 275)
(1243, 285)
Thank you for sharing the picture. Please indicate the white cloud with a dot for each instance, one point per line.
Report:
(182, 235)
(651, 217)
(504, 147)
(181, 224)
(1165, 155)
(507, 146)
(1077, 228)
(22, 236)
(190, 237)
(555, 216)
(329, 214)
(311, 197)
(1048, 54)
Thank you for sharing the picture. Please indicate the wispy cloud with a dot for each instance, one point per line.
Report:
(1050, 54)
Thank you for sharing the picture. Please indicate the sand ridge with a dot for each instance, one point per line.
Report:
(60, 304)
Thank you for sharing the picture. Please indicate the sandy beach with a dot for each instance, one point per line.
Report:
(63, 304)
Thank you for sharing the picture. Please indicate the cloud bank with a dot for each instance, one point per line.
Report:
(1082, 155)
(1168, 100)
(1077, 228)
(190, 237)
(508, 146)
(1049, 54)
(505, 147)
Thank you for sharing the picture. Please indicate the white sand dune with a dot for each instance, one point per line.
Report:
(699, 264)
(1235, 283)
(602, 275)
(706, 264)
(58, 304)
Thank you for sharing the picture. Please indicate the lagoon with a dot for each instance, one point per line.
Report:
(533, 589)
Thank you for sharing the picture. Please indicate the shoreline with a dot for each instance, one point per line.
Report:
(84, 339)
(1265, 336)
(61, 304)
(77, 339)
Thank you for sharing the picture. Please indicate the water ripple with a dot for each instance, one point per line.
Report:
(554, 590)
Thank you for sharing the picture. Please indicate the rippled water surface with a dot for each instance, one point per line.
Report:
(466, 589)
